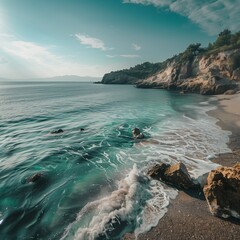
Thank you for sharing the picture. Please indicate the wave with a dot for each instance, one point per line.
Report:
(136, 205)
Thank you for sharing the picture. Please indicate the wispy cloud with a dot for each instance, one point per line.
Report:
(124, 56)
(92, 42)
(29, 51)
(212, 16)
(136, 47)
(130, 56)
(111, 56)
(30, 59)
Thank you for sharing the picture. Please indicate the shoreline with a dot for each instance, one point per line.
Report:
(188, 216)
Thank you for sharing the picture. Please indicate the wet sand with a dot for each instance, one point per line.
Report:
(188, 216)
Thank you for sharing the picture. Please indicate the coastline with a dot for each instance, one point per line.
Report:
(188, 216)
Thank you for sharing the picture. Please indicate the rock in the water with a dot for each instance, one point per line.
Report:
(35, 177)
(137, 133)
(176, 175)
(57, 131)
(223, 191)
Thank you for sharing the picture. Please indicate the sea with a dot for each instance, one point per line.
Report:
(92, 177)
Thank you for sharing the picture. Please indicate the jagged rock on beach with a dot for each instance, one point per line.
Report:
(137, 133)
(158, 170)
(222, 191)
(176, 175)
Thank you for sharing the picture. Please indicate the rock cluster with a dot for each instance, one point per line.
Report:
(221, 189)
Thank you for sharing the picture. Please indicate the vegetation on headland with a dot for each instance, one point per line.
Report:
(224, 42)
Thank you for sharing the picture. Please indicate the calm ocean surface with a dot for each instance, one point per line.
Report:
(93, 184)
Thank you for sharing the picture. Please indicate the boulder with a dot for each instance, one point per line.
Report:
(230, 92)
(222, 191)
(158, 170)
(178, 176)
(137, 133)
(175, 175)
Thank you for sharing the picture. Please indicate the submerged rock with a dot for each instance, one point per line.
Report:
(223, 191)
(34, 177)
(57, 131)
(176, 175)
(137, 133)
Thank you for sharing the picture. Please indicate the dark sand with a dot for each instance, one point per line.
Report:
(188, 216)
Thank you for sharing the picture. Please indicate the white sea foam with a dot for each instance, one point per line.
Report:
(138, 202)
(191, 141)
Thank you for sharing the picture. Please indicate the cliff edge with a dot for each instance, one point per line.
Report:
(213, 74)
(211, 70)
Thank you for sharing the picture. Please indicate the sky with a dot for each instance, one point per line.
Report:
(46, 38)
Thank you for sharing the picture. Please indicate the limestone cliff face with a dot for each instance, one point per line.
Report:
(212, 74)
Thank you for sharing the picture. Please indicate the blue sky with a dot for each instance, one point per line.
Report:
(91, 37)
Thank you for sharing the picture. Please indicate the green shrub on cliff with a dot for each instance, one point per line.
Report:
(225, 41)
(224, 38)
(189, 54)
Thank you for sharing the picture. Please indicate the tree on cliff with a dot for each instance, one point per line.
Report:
(235, 39)
(191, 51)
(224, 38)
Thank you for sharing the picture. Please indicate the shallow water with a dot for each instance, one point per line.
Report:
(94, 184)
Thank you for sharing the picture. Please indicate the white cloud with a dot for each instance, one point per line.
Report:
(111, 56)
(212, 16)
(136, 47)
(124, 56)
(130, 56)
(156, 3)
(28, 59)
(91, 42)
(29, 51)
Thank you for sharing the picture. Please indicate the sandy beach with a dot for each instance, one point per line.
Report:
(188, 216)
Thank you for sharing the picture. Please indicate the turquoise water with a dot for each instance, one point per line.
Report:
(93, 183)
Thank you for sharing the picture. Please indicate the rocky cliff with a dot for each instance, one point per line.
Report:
(211, 70)
(205, 74)
(133, 74)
